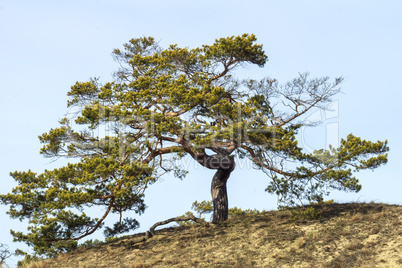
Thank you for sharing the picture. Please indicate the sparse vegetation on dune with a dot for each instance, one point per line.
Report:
(339, 235)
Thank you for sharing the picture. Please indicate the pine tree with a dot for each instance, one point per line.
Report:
(166, 104)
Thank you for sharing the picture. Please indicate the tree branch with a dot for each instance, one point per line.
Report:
(181, 218)
(225, 71)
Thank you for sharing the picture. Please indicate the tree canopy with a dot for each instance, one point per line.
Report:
(166, 104)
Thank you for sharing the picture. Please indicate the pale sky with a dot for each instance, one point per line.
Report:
(46, 46)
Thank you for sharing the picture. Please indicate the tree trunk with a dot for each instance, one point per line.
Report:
(220, 195)
(224, 164)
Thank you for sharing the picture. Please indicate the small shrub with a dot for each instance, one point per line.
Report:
(331, 201)
(110, 239)
(309, 213)
(28, 260)
(186, 223)
(205, 207)
(90, 243)
(202, 207)
(239, 212)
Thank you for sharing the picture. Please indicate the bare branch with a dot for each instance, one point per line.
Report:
(181, 218)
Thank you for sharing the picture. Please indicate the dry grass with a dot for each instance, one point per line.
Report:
(346, 235)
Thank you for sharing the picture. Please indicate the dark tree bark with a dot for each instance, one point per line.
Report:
(219, 193)
(220, 196)
(224, 164)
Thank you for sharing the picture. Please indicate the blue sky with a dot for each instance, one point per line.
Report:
(46, 46)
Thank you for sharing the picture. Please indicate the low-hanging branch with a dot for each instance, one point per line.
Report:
(176, 219)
